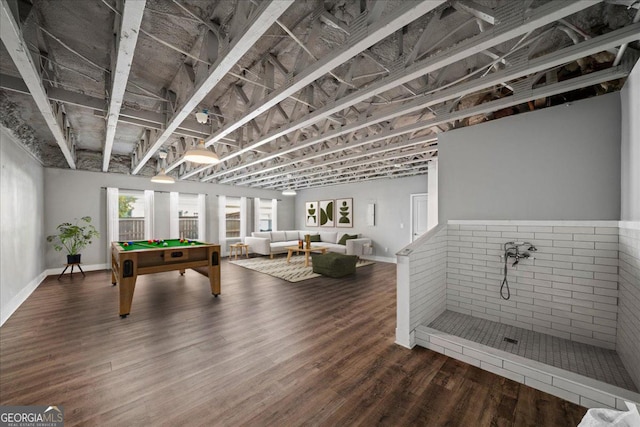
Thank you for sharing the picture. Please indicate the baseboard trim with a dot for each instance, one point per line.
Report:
(21, 297)
(379, 258)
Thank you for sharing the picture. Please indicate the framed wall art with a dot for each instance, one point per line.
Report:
(326, 213)
(311, 214)
(344, 212)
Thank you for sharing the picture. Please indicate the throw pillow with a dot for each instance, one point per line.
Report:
(345, 237)
(315, 237)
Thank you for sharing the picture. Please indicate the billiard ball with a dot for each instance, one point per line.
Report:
(193, 244)
(150, 241)
(165, 244)
(125, 244)
(130, 243)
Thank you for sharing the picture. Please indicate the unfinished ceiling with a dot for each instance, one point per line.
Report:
(298, 93)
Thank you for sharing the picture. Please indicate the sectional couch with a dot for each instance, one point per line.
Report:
(275, 242)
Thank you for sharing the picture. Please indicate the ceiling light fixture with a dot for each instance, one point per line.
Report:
(200, 154)
(162, 177)
(202, 116)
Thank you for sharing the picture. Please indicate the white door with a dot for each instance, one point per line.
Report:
(418, 215)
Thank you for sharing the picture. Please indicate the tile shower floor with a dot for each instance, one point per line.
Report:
(594, 362)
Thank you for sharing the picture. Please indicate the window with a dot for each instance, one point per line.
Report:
(232, 217)
(188, 216)
(131, 208)
(265, 215)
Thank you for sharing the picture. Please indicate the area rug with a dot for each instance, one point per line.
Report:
(295, 271)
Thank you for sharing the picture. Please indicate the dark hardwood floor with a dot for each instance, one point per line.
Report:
(266, 352)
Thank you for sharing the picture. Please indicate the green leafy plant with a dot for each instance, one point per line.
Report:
(125, 206)
(73, 237)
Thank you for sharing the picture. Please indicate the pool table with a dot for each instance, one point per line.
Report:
(131, 259)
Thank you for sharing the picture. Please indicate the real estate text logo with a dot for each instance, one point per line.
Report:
(31, 416)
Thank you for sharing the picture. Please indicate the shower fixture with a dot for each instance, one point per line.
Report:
(513, 250)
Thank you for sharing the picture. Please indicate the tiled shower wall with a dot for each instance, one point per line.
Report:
(428, 278)
(628, 343)
(569, 290)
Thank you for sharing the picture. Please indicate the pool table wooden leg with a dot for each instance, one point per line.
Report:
(214, 271)
(127, 287)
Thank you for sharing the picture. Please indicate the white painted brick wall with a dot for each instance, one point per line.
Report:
(569, 290)
(628, 339)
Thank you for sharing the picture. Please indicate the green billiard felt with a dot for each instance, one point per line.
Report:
(171, 243)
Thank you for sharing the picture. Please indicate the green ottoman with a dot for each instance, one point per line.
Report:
(333, 264)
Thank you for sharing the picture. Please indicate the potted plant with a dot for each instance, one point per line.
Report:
(73, 237)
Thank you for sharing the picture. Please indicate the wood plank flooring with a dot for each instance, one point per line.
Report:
(265, 353)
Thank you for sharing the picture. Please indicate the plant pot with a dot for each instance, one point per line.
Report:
(73, 259)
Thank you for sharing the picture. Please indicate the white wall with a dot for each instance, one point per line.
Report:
(630, 150)
(392, 199)
(628, 342)
(70, 194)
(558, 163)
(22, 235)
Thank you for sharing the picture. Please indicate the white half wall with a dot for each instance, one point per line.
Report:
(558, 163)
(22, 236)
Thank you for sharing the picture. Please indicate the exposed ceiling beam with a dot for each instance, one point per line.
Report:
(19, 52)
(477, 10)
(393, 154)
(262, 20)
(504, 31)
(126, 46)
(423, 170)
(569, 54)
(296, 166)
(523, 96)
(360, 174)
(404, 14)
(141, 118)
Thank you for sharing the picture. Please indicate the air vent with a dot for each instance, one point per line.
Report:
(510, 340)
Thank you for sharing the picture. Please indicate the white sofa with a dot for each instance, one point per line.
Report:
(275, 242)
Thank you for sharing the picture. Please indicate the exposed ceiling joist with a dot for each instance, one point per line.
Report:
(19, 52)
(562, 56)
(404, 143)
(505, 31)
(262, 20)
(370, 34)
(364, 118)
(126, 44)
(524, 96)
